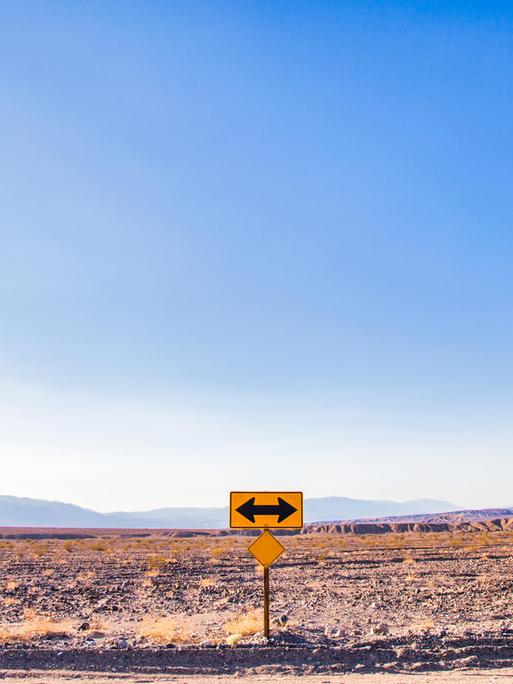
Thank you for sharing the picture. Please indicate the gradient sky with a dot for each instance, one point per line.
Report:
(256, 245)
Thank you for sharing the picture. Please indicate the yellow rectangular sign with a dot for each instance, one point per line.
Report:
(266, 510)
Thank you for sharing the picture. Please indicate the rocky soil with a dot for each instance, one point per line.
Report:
(453, 677)
(340, 603)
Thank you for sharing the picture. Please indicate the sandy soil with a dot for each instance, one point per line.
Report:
(396, 603)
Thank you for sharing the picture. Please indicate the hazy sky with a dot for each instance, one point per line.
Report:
(256, 245)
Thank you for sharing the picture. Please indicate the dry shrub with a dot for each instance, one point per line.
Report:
(217, 552)
(456, 541)
(482, 539)
(12, 585)
(99, 628)
(426, 625)
(40, 550)
(162, 630)
(248, 623)
(483, 580)
(314, 585)
(34, 626)
(322, 557)
(259, 569)
(85, 576)
(207, 582)
(155, 565)
(396, 540)
(365, 540)
(148, 583)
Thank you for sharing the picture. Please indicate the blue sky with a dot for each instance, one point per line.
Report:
(261, 244)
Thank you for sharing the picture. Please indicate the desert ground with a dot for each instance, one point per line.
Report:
(453, 677)
(143, 606)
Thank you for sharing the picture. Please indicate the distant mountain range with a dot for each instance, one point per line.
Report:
(24, 512)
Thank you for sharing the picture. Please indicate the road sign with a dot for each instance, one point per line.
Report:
(266, 509)
(266, 549)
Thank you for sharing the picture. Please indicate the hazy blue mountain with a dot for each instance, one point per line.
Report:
(176, 517)
(24, 512)
(343, 508)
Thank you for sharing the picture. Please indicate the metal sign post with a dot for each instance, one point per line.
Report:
(266, 603)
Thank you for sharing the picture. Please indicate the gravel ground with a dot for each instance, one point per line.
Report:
(340, 603)
(458, 677)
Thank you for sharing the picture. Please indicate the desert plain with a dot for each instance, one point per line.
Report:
(145, 606)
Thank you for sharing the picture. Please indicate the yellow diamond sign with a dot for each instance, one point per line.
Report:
(266, 549)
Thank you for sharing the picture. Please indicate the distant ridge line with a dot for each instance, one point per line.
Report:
(18, 512)
(489, 525)
(26, 512)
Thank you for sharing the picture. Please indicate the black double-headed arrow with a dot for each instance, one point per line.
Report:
(249, 509)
